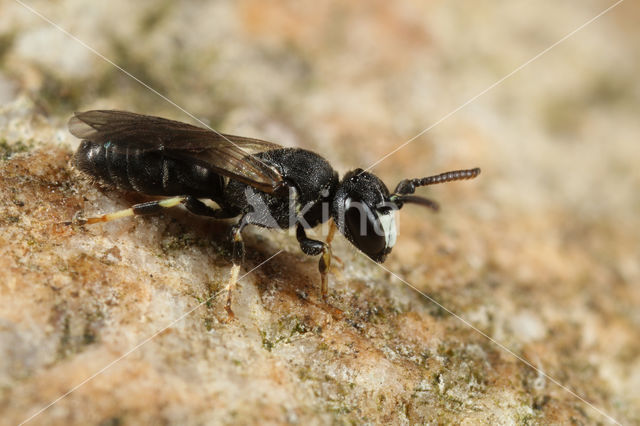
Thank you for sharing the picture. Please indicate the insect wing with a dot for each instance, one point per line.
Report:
(227, 155)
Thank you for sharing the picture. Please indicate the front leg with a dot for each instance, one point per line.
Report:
(314, 248)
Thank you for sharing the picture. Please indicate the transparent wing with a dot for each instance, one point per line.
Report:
(227, 155)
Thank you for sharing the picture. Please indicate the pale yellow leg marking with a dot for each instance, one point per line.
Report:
(110, 216)
(171, 202)
(167, 203)
(332, 231)
(233, 280)
(231, 285)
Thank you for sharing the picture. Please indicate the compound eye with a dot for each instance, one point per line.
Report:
(364, 228)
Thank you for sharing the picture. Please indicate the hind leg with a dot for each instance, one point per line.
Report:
(192, 204)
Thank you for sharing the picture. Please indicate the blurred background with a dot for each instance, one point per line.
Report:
(540, 252)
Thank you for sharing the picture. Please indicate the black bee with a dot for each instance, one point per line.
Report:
(260, 182)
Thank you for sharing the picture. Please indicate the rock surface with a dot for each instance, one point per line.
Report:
(540, 253)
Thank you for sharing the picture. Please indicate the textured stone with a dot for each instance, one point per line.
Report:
(540, 252)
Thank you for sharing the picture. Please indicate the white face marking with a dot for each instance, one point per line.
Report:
(388, 222)
(347, 204)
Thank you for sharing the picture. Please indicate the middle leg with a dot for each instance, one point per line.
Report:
(237, 258)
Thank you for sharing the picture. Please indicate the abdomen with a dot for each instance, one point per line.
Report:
(147, 172)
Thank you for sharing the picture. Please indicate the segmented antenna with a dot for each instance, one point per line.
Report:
(408, 186)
